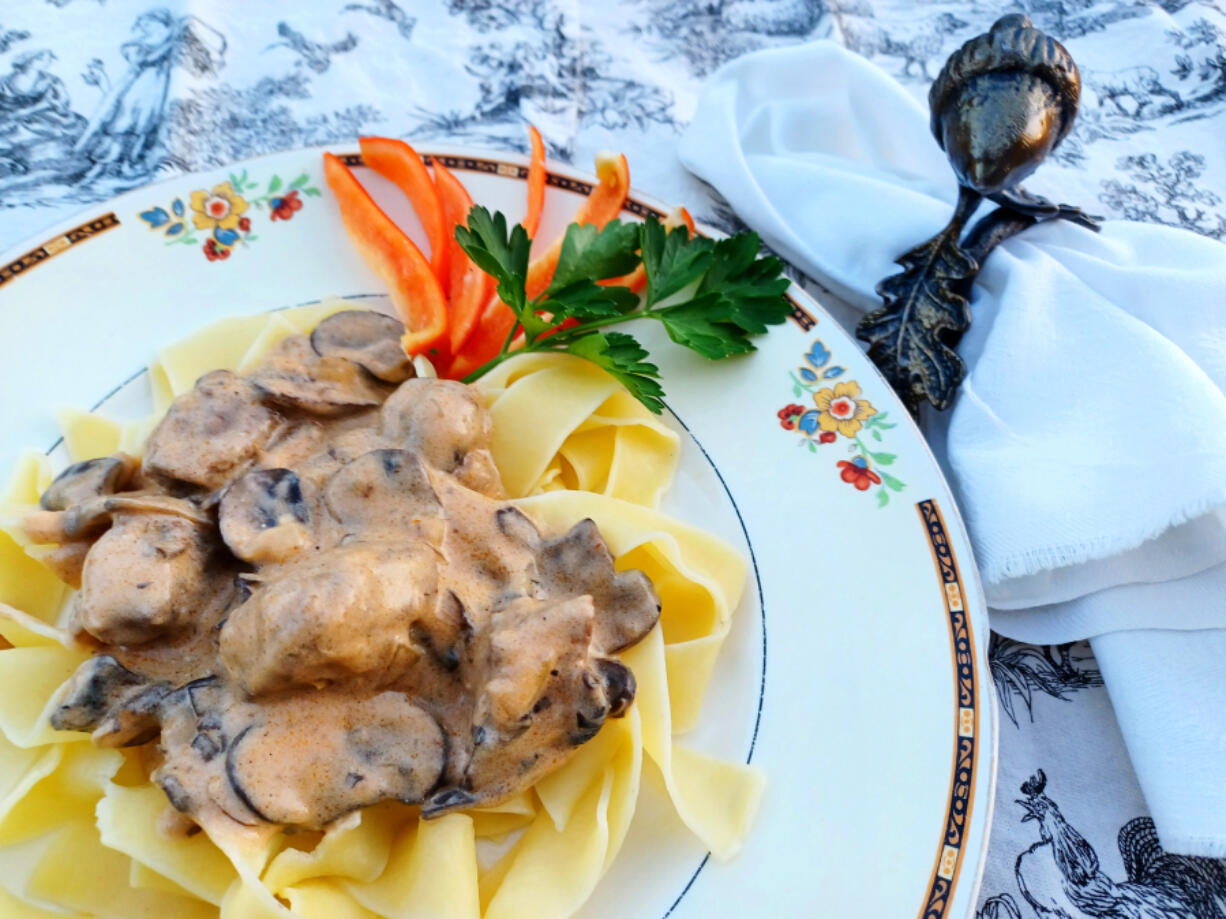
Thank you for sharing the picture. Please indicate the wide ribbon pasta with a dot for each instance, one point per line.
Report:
(561, 422)
(82, 830)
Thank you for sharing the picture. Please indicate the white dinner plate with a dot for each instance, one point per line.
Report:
(856, 673)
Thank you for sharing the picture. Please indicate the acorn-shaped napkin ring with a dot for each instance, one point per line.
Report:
(1000, 105)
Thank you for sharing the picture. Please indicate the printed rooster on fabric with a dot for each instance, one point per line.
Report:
(1060, 875)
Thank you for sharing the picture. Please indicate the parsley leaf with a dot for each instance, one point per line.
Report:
(701, 325)
(671, 258)
(732, 257)
(752, 288)
(586, 300)
(504, 258)
(622, 357)
(733, 293)
(739, 295)
(595, 254)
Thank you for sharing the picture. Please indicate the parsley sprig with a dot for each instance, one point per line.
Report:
(710, 295)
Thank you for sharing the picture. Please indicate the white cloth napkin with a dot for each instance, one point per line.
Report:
(1087, 445)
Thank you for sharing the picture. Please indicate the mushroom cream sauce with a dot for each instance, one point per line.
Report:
(324, 603)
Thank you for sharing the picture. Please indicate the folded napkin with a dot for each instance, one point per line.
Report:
(1087, 445)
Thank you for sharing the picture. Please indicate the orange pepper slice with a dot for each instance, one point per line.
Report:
(536, 182)
(485, 340)
(395, 160)
(471, 288)
(602, 205)
(394, 257)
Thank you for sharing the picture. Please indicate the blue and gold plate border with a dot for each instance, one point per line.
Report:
(953, 841)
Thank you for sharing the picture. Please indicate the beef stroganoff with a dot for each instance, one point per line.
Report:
(349, 621)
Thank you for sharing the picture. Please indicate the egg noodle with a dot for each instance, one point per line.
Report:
(80, 825)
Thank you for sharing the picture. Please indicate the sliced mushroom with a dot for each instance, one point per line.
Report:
(85, 516)
(263, 516)
(203, 703)
(620, 685)
(90, 478)
(515, 524)
(346, 390)
(442, 629)
(211, 432)
(447, 800)
(46, 527)
(136, 720)
(145, 578)
(294, 443)
(198, 722)
(385, 492)
(120, 707)
(295, 376)
(92, 515)
(528, 640)
(579, 562)
(301, 765)
(367, 338)
(96, 687)
(479, 473)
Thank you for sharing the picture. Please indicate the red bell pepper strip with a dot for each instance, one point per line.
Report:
(602, 205)
(393, 257)
(471, 288)
(397, 161)
(485, 342)
(536, 182)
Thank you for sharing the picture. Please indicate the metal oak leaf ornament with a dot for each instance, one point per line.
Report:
(914, 334)
(1000, 105)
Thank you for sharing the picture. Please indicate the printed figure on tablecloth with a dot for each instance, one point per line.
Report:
(316, 55)
(10, 37)
(36, 119)
(45, 145)
(122, 137)
(389, 10)
(1060, 876)
(54, 151)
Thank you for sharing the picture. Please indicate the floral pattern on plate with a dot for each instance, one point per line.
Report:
(224, 212)
(841, 413)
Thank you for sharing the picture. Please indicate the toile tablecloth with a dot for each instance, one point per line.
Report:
(148, 91)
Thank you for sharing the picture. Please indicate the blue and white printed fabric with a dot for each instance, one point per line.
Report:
(100, 96)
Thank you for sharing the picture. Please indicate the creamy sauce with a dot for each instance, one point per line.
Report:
(312, 596)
